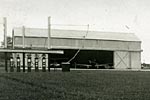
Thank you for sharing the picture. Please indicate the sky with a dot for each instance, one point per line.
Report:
(101, 15)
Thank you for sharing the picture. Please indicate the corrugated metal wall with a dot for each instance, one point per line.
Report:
(127, 54)
(80, 44)
(136, 60)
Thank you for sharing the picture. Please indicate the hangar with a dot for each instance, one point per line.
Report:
(118, 50)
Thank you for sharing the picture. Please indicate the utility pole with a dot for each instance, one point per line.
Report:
(5, 41)
(48, 42)
(23, 36)
(49, 32)
(5, 31)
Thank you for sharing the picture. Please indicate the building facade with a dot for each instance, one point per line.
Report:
(120, 50)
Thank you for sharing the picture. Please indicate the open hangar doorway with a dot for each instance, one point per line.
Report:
(91, 59)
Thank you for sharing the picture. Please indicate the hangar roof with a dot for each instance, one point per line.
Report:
(37, 32)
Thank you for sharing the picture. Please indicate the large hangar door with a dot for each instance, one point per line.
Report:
(84, 57)
(98, 56)
(122, 60)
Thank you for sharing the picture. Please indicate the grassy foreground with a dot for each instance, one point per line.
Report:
(75, 85)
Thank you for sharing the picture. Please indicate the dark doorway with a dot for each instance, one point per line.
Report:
(84, 58)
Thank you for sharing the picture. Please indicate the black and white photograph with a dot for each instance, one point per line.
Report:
(74, 50)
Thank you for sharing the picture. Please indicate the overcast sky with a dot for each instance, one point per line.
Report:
(101, 15)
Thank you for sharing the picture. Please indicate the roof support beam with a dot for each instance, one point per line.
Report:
(33, 51)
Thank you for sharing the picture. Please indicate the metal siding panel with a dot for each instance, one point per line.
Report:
(134, 45)
(136, 60)
(18, 40)
(79, 44)
(114, 45)
(91, 44)
(36, 42)
(70, 43)
(36, 32)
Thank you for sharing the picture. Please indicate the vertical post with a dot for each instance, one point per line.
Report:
(83, 40)
(23, 57)
(87, 31)
(5, 32)
(75, 65)
(130, 66)
(49, 62)
(23, 37)
(6, 68)
(49, 32)
(13, 39)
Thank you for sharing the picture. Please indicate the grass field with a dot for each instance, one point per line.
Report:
(75, 85)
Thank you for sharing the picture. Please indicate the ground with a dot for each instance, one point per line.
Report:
(75, 85)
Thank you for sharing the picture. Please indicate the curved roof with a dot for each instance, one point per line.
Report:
(37, 32)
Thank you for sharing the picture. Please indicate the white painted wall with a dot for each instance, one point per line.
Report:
(136, 60)
(67, 43)
(127, 54)
(121, 60)
(127, 60)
